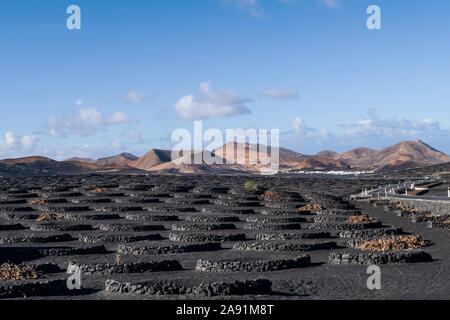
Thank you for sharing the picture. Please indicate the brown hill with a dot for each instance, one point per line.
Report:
(120, 159)
(185, 165)
(95, 167)
(416, 153)
(288, 160)
(327, 154)
(357, 157)
(249, 158)
(404, 155)
(254, 157)
(151, 159)
(358, 153)
(76, 159)
(33, 159)
(42, 166)
(37, 166)
(321, 163)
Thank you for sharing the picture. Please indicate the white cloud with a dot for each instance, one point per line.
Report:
(297, 126)
(86, 122)
(10, 139)
(210, 104)
(372, 131)
(278, 94)
(300, 129)
(28, 142)
(134, 136)
(134, 97)
(304, 138)
(391, 127)
(129, 140)
(79, 102)
(13, 146)
(16, 145)
(373, 128)
(119, 117)
(91, 116)
(116, 144)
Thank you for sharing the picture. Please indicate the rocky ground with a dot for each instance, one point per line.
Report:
(184, 237)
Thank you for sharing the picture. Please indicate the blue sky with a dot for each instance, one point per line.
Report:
(139, 69)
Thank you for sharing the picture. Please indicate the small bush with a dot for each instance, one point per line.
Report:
(99, 190)
(36, 201)
(401, 206)
(49, 217)
(361, 219)
(394, 243)
(271, 196)
(311, 207)
(13, 272)
(252, 186)
(117, 259)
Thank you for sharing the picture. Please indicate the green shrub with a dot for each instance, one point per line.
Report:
(252, 186)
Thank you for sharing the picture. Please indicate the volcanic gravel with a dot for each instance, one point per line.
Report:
(193, 236)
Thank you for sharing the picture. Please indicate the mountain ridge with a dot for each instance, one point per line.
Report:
(413, 153)
(119, 159)
(248, 158)
(151, 159)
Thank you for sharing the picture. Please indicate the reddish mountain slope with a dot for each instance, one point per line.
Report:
(404, 155)
(151, 159)
(120, 159)
(321, 163)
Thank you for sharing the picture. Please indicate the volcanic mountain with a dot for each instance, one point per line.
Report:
(357, 157)
(185, 164)
(120, 159)
(247, 159)
(327, 154)
(321, 163)
(255, 156)
(152, 159)
(76, 159)
(31, 166)
(236, 158)
(288, 160)
(404, 155)
(408, 154)
(28, 160)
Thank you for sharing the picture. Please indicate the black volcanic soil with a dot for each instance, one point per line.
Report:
(148, 233)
